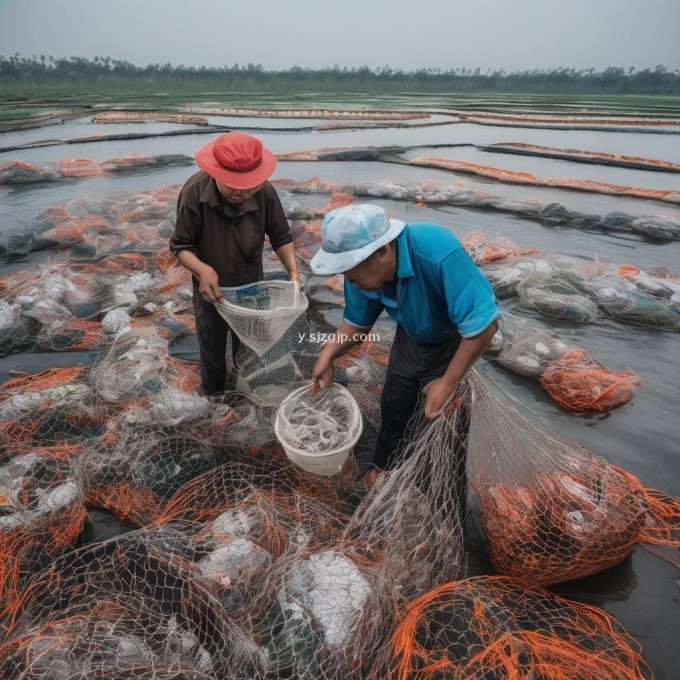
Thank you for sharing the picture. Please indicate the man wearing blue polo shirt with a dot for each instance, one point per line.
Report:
(443, 306)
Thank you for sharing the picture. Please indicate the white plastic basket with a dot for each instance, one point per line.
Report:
(328, 462)
(260, 313)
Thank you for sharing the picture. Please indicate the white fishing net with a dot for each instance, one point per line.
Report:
(261, 313)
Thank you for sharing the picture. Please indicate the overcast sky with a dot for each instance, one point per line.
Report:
(490, 34)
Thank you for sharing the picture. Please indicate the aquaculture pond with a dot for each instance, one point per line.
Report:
(616, 251)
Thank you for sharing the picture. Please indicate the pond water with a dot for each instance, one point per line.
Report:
(642, 436)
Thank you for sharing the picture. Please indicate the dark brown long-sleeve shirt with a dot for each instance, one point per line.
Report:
(227, 237)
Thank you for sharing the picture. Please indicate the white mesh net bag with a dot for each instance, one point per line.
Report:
(319, 431)
(260, 313)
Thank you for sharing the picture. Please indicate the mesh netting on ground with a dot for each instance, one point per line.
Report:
(252, 567)
(482, 250)
(304, 590)
(124, 222)
(144, 116)
(498, 627)
(324, 614)
(551, 510)
(414, 514)
(569, 289)
(135, 606)
(570, 376)
(82, 306)
(339, 114)
(42, 514)
(561, 122)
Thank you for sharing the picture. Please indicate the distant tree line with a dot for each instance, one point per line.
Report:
(104, 73)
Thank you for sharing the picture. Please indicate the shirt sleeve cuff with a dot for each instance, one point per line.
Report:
(357, 325)
(285, 240)
(176, 248)
(479, 324)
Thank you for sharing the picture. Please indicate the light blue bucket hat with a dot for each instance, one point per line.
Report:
(351, 234)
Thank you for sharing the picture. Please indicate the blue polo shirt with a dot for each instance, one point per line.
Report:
(438, 291)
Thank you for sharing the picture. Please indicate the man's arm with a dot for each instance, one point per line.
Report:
(184, 245)
(344, 338)
(278, 231)
(286, 253)
(470, 349)
(208, 281)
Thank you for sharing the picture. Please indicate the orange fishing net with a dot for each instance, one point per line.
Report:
(580, 153)
(125, 263)
(143, 116)
(339, 199)
(41, 503)
(514, 177)
(19, 172)
(629, 271)
(38, 382)
(483, 251)
(164, 260)
(550, 510)
(497, 627)
(241, 472)
(335, 283)
(96, 612)
(188, 374)
(79, 167)
(662, 519)
(580, 384)
(168, 325)
(74, 230)
(557, 524)
(581, 120)
(77, 334)
(475, 169)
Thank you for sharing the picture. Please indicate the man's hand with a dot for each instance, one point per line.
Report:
(208, 285)
(437, 393)
(295, 277)
(322, 375)
(371, 477)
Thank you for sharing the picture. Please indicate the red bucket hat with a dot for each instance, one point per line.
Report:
(237, 160)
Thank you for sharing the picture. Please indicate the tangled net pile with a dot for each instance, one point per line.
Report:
(550, 510)
(496, 627)
(570, 376)
(558, 287)
(242, 564)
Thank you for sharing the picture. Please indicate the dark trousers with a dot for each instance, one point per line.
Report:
(212, 332)
(411, 366)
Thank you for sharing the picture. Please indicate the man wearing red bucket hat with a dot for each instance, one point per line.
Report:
(223, 214)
